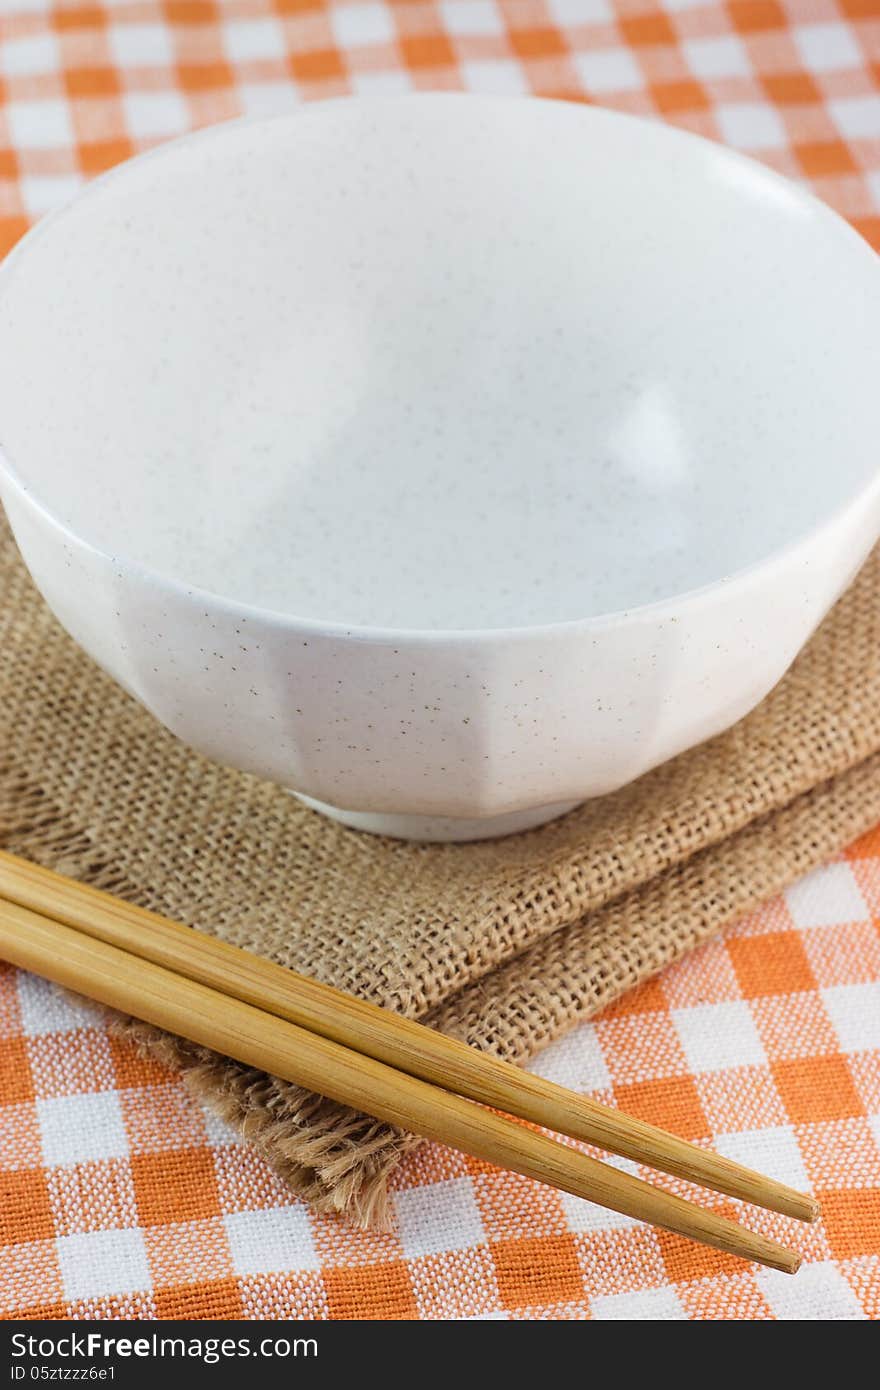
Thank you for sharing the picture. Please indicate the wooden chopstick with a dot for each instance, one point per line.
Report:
(378, 1033)
(159, 996)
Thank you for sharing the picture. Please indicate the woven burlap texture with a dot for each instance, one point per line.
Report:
(505, 943)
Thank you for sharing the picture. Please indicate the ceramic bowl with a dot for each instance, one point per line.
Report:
(447, 460)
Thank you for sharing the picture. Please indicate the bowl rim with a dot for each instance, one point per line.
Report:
(667, 609)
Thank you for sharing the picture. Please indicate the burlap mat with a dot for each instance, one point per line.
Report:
(505, 943)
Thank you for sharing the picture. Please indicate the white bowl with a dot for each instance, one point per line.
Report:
(447, 460)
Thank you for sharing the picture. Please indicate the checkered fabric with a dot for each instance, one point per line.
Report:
(82, 86)
(119, 1197)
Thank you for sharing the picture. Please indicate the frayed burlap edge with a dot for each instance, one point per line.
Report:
(336, 1159)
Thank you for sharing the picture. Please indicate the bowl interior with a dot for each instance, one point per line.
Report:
(441, 363)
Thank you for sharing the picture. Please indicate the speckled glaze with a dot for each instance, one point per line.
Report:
(447, 460)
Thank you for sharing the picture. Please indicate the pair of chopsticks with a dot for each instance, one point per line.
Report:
(295, 1028)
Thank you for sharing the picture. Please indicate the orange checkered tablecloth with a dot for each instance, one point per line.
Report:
(119, 1196)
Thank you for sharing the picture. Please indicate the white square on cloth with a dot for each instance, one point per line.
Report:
(494, 77)
(141, 45)
(609, 70)
(858, 118)
(264, 1242)
(773, 1151)
(47, 1009)
(647, 1305)
(82, 1128)
(380, 84)
(469, 17)
(217, 1130)
(715, 1036)
(43, 193)
(818, 1292)
(576, 12)
(720, 57)
(266, 98)
(40, 125)
(855, 1013)
(248, 40)
(442, 1216)
(32, 55)
(150, 115)
(826, 47)
(356, 25)
(575, 1060)
(95, 1263)
(825, 897)
(751, 125)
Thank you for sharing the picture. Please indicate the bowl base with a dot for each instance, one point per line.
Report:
(441, 828)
